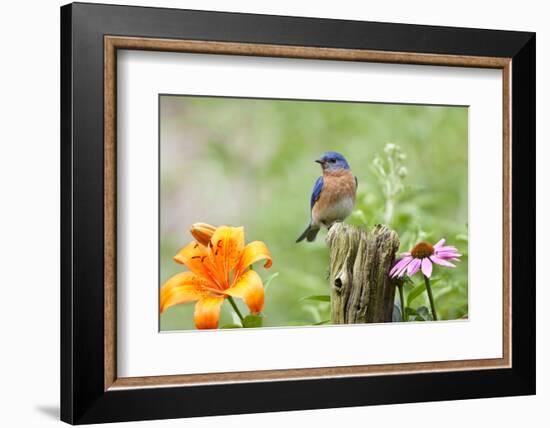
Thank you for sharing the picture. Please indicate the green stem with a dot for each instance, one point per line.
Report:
(402, 298)
(235, 308)
(388, 212)
(430, 296)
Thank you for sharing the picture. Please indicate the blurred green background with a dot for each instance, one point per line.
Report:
(250, 162)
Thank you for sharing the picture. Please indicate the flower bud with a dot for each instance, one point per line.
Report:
(390, 148)
(202, 232)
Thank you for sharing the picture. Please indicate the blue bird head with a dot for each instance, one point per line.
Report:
(332, 161)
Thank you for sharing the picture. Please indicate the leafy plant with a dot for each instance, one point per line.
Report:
(391, 173)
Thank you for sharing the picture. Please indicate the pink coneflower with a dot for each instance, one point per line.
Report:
(422, 256)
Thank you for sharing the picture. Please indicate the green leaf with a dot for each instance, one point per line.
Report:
(396, 315)
(424, 313)
(415, 292)
(443, 291)
(252, 321)
(317, 298)
(410, 312)
(322, 322)
(413, 315)
(269, 279)
(408, 281)
(418, 290)
(232, 326)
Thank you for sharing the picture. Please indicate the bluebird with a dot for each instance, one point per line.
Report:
(333, 196)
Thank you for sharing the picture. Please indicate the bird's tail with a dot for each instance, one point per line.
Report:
(310, 233)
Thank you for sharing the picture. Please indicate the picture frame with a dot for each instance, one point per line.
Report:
(91, 391)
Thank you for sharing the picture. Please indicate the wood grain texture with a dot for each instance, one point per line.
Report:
(309, 373)
(112, 43)
(109, 197)
(507, 213)
(360, 287)
(303, 52)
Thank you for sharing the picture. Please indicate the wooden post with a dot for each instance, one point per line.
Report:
(361, 289)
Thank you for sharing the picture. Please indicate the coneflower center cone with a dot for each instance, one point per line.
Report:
(422, 250)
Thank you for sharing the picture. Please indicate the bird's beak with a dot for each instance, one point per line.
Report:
(319, 161)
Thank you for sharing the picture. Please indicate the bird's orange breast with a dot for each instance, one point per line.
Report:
(337, 185)
(337, 198)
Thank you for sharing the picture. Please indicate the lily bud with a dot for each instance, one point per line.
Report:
(202, 232)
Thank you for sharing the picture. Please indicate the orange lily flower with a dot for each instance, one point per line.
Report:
(219, 267)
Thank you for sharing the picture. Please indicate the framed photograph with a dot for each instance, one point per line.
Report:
(291, 213)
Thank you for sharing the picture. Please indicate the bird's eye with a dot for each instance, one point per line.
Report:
(332, 160)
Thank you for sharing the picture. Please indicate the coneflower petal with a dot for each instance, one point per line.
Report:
(414, 267)
(400, 265)
(427, 267)
(441, 262)
(439, 244)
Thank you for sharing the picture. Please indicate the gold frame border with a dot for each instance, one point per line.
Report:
(112, 43)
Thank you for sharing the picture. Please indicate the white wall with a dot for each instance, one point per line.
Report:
(29, 230)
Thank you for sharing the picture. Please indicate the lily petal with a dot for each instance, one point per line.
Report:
(183, 287)
(207, 312)
(253, 252)
(249, 287)
(199, 261)
(227, 244)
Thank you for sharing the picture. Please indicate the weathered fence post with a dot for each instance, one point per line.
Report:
(360, 287)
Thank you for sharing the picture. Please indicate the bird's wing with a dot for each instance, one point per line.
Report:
(316, 190)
